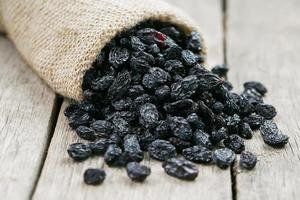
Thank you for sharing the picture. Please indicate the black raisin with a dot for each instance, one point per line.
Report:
(112, 155)
(120, 86)
(235, 143)
(148, 115)
(202, 139)
(94, 176)
(79, 151)
(218, 135)
(86, 133)
(102, 83)
(245, 130)
(186, 88)
(220, 70)
(118, 56)
(272, 136)
(195, 121)
(248, 160)
(155, 78)
(223, 157)
(102, 128)
(100, 146)
(254, 121)
(265, 110)
(197, 154)
(122, 104)
(162, 130)
(161, 150)
(180, 127)
(135, 91)
(188, 57)
(181, 107)
(179, 143)
(259, 87)
(194, 42)
(180, 168)
(163, 92)
(132, 148)
(137, 172)
(217, 107)
(175, 67)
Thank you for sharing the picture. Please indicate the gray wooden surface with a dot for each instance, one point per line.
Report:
(261, 42)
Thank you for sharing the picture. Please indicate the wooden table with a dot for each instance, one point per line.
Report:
(258, 39)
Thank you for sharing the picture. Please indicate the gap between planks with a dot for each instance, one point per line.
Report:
(53, 120)
(263, 45)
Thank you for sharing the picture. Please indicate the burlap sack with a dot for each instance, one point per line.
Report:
(60, 39)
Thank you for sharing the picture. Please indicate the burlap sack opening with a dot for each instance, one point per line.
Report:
(60, 39)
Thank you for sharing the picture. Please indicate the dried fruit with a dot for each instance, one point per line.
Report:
(148, 115)
(265, 110)
(179, 144)
(120, 86)
(188, 57)
(245, 130)
(137, 172)
(259, 87)
(85, 133)
(112, 155)
(118, 56)
(235, 143)
(220, 70)
(197, 154)
(254, 121)
(193, 42)
(181, 107)
(202, 139)
(223, 157)
(161, 150)
(272, 136)
(132, 148)
(218, 135)
(79, 151)
(180, 168)
(122, 104)
(102, 83)
(100, 146)
(163, 92)
(195, 121)
(180, 127)
(94, 176)
(248, 160)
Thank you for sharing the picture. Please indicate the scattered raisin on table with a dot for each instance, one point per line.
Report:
(248, 160)
(94, 176)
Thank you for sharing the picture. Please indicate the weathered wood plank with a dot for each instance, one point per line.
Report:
(26, 105)
(263, 45)
(62, 179)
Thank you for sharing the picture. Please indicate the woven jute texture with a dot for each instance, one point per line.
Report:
(60, 39)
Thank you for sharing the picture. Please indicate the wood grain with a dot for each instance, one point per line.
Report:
(263, 45)
(26, 105)
(62, 179)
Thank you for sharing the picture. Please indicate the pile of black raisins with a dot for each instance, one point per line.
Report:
(149, 91)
